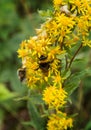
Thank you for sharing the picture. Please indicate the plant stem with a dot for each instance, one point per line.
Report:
(74, 56)
(66, 62)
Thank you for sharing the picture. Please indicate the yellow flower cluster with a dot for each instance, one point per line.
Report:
(54, 97)
(78, 18)
(42, 54)
(66, 27)
(39, 59)
(59, 27)
(59, 121)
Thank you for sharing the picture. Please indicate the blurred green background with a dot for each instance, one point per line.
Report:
(18, 21)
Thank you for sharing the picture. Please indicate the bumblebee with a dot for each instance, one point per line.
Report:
(21, 74)
(44, 64)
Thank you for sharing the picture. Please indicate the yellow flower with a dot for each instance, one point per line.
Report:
(54, 67)
(80, 5)
(57, 2)
(59, 122)
(86, 42)
(22, 53)
(59, 27)
(53, 51)
(77, 3)
(54, 97)
(58, 80)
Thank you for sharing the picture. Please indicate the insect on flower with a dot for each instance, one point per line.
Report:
(44, 63)
(21, 74)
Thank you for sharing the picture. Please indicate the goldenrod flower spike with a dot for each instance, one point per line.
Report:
(45, 56)
(59, 121)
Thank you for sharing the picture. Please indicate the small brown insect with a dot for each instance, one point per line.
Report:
(21, 74)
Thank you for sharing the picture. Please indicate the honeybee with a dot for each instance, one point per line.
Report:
(21, 74)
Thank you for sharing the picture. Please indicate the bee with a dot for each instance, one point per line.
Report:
(44, 64)
(21, 74)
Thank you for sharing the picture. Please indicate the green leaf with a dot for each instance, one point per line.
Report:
(66, 74)
(45, 13)
(88, 126)
(38, 122)
(5, 94)
(73, 81)
(37, 99)
(1, 115)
